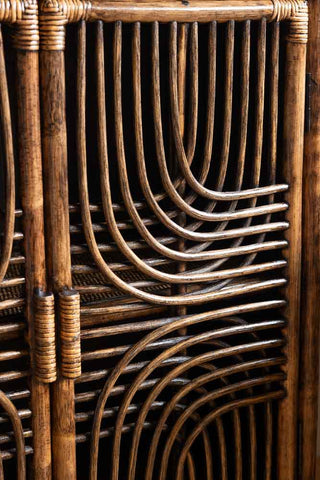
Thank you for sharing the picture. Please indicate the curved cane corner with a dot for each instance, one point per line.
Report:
(10, 409)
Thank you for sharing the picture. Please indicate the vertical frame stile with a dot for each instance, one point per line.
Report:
(310, 307)
(53, 17)
(26, 42)
(54, 148)
(294, 104)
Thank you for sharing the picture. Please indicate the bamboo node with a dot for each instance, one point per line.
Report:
(44, 333)
(298, 32)
(23, 15)
(11, 10)
(296, 11)
(70, 348)
(53, 18)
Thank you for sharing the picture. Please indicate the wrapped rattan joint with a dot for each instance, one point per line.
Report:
(44, 333)
(69, 311)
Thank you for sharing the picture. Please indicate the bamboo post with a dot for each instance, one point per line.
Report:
(310, 308)
(294, 104)
(54, 141)
(26, 41)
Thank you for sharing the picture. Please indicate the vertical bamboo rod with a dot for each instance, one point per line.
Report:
(294, 102)
(310, 308)
(32, 205)
(58, 245)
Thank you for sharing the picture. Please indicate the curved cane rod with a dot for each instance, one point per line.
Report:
(236, 416)
(191, 467)
(211, 115)
(274, 87)
(259, 121)
(130, 204)
(12, 413)
(184, 232)
(223, 449)
(145, 373)
(183, 162)
(163, 383)
(207, 446)
(137, 95)
(207, 450)
(194, 99)
(244, 116)
(157, 136)
(9, 163)
(224, 409)
(252, 429)
(141, 345)
(236, 387)
(86, 211)
(169, 187)
(221, 441)
(207, 378)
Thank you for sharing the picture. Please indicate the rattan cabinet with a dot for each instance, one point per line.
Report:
(159, 258)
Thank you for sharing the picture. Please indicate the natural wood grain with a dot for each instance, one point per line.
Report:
(310, 312)
(198, 11)
(294, 103)
(32, 204)
(54, 144)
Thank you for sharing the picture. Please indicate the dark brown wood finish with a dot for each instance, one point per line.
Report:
(27, 44)
(293, 166)
(59, 249)
(181, 249)
(32, 204)
(310, 307)
(54, 144)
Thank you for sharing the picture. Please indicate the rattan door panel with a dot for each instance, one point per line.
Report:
(172, 148)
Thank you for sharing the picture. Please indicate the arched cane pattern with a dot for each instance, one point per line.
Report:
(189, 384)
(179, 211)
(211, 258)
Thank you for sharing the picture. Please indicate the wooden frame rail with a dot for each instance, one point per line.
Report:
(54, 16)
